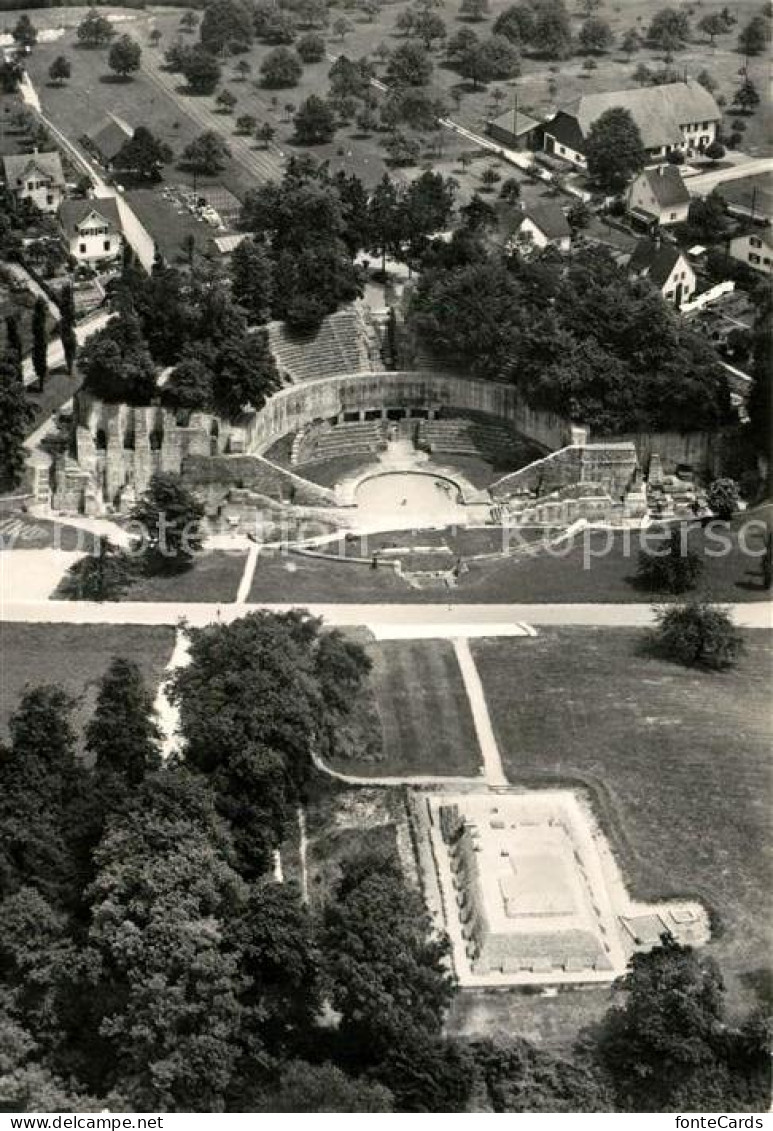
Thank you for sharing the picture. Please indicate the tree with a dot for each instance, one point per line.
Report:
(516, 23)
(116, 364)
(385, 966)
(252, 280)
(226, 100)
(712, 24)
(169, 518)
(15, 418)
(94, 30)
(40, 340)
(125, 56)
(386, 218)
(715, 151)
(323, 1087)
(315, 122)
(190, 384)
(155, 37)
(520, 1077)
(245, 375)
(674, 568)
(552, 35)
(697, 635)
(122, 735)
(25, 33)
(13, 338)
(614, 149)
(596, 35)
(722, 497)
(143, 154)
(266, 133)
(473, 10)
(189, 21)
(201, 70)
(746, 96)
(166, 1006)
(60, 70)
(282, 67)
(279, 28)
(409, 65)
(350, 78)
(478, 214)
(666, 1026)
(510, 190)
(707, 81)
(246, 124)
(226, 24)
(631, 42)
(103, 576)
(755, 37)
(311, 48)
(207, 153)
(579, 215)
(493, 58)
(428, 27)
(669, 30)
(342, 27)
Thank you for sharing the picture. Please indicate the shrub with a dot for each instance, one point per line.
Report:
(672, 569)
(697, 635)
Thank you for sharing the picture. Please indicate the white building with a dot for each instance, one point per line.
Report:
(666, 267)
(37, 177)
(755, 249)
(659, 197)
(543, 225)
(92, 230)
(677, 115)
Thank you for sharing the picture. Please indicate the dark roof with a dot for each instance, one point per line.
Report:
(566, 130)
(72, 213)
(110, 136)
(17, 165)
(654, 259)
(745, 191)
(549, 218)
(667, 185)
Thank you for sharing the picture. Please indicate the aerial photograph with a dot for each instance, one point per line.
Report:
(386, 561)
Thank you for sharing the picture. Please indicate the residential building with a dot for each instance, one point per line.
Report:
(755, 249)
(106, 141)
(658, 197)
(678, 115)
(543, 225)
(37, 177)
(666, 267)
(92, 230)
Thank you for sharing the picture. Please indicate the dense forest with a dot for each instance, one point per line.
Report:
(149, 960)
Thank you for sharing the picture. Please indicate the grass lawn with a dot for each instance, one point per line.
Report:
(59, 388)
(75, 656)
(19, 531)
(425, 716)
(553, 1022)
(214, 577)
(590, 570)
(678, 763)
(169, 227)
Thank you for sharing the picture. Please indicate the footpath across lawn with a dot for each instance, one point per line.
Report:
(678, 764)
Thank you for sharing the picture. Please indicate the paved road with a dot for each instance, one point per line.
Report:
(703, 183)
(448, 621)
(55, 351)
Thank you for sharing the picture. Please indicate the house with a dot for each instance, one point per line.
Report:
(108, 139)
(92, 230)
(544, 225)
(666, 266)
(37, 177)
(676, 115)
(514, 129)
(755, 249)
(750, 198)
(658, 197)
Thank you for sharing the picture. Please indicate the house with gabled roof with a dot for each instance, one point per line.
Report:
(672, 116)
(37, 177)
(666, 267)
(92, 230)
(658, 197)
(754, 249)
(543, 225)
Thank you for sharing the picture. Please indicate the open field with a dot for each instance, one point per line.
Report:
(597, 566)
(424, 712)
(75, 656)
(214, 577)
(678, 764)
